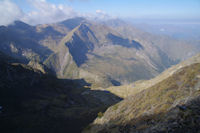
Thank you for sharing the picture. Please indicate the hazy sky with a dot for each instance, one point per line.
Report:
(43, 11)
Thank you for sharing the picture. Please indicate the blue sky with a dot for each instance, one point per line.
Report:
(169, 9)
(49, 11)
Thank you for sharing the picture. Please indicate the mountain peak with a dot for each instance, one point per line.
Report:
(73, 22)
(20, 25)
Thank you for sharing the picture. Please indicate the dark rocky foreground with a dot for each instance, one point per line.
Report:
(32, 102)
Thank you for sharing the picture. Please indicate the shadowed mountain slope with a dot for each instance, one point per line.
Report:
(31, 101)
(124, 42)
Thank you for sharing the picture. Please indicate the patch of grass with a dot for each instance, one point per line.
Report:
(115, 107)
(100, 114)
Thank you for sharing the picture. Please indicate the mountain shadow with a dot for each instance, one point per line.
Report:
(19, 40)
(116, 40)
(81, 44)
(78, 50)
(31, 101)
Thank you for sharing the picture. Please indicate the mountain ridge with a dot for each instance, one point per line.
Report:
(110, 52)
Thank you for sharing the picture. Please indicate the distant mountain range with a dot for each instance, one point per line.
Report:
(103, 53)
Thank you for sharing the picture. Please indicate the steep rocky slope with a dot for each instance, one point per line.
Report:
(170, 105)
(104, 57)
(31, 101)
(105, 54)
(120, 58)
